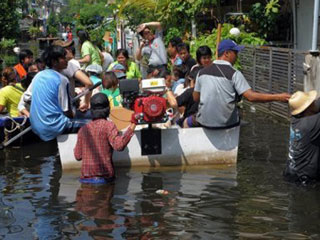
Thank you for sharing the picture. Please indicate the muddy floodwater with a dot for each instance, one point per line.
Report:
(248, 200)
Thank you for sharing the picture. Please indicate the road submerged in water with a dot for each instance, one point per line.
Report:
(249, 200)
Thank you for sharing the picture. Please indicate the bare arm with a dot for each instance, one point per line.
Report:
(172, 100)
(139, 51)
(253, 96)
(85, 80)
(156, 25)
(85, 59)
(2, 108)
(196, 96)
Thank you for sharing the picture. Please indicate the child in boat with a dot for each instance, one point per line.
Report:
(110, 87)
(97, 140)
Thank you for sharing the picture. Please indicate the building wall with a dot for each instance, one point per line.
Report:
(304, 24)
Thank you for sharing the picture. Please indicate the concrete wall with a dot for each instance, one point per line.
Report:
(304, 24)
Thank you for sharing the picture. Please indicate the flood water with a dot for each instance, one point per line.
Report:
(249, 200)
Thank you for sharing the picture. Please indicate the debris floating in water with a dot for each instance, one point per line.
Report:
(162, 192)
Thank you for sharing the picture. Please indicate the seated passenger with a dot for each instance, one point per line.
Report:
(179, 75)
(131, 68)
(25, 60)
(110, 87)
(303, 166)
(11, 93)
(51, 112)
(97, 140)
(219, 86)
(184, 54)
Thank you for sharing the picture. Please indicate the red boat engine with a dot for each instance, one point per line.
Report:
(148, 102)
(151, 109)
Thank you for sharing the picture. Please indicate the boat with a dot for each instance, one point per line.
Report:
(163, 147)
(12, 126)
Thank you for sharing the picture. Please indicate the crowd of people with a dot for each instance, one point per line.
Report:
(202, 92)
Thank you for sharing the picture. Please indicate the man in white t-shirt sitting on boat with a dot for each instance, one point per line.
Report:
(218, 88)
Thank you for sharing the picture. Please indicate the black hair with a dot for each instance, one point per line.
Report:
(203, 51)
(53, 53)
(141, 33)
(163, 73)
(28, 79)
(38, 60)
(122, 51)
(24, 54)
(175, 41)
(180, 71)
(73, 50)
(83, 36)
(182, 46)
(100, 106)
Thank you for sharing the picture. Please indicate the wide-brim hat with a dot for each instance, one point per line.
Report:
(300, 101)
(63, 44)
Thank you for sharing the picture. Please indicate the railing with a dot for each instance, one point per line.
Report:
(273, 70)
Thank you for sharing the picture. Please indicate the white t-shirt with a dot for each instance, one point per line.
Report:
(69, 72)
(107, 60)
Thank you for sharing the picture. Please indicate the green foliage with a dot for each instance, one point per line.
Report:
(6, 45)
(264, 18)
(172, 32)
(6, 52)
(9, 60)
(53, 24)
(52, 30)
(34, 47)
(210, 39)
(33, 32)
(9, 19)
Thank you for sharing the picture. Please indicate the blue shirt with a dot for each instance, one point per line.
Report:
(94, 79)
(50, 98)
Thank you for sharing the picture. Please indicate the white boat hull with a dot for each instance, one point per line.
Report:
(194, 146)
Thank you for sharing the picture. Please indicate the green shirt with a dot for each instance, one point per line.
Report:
(114, 97)
(10, 97)
(132, 72)
(88, 48)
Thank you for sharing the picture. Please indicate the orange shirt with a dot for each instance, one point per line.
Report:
(20, 70)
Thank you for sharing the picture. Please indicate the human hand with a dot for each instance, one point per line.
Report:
(284, 97)
(83, 107)
(134, 118)
(141, 27)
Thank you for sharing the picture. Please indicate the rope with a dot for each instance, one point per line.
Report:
(15, 125)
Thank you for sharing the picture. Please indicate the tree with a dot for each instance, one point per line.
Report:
(9, 18)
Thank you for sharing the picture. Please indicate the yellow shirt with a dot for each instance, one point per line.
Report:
(10, 97)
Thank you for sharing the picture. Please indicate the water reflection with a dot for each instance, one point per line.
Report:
(246, 201)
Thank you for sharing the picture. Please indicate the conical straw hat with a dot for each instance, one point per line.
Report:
(300, 101)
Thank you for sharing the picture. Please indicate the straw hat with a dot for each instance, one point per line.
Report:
(300, 101)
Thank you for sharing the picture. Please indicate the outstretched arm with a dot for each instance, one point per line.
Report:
(253, 96)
